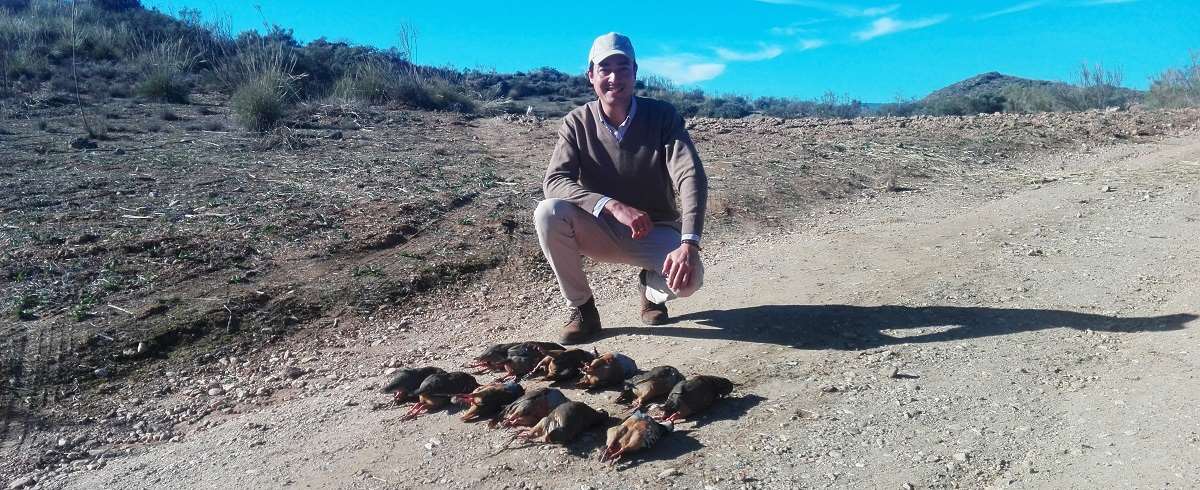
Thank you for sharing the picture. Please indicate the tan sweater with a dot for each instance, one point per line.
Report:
(653, 162)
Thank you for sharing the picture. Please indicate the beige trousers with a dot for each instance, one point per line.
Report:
(567, 233)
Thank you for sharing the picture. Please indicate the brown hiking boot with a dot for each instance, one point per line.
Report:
(583, 325)
(652, 313)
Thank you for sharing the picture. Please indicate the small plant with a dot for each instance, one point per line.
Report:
(163, 86)
(366, 271)
(258, 104)
(24, 305)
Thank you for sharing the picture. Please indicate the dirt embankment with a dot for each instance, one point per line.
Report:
(162, 281)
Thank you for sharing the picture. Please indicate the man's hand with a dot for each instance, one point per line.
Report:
(680, 265)
(637, 221)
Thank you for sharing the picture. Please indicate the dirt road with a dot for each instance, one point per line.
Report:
(1041, 324)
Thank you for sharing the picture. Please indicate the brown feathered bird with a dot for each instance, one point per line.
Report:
(561, 365)
(647, 386)
(694, 395)
(407, 380)
(488, 400)
(436, 390)
(638, 431)
(563, 423)
(521, 359)
(532, 407)
(607, 370)
(491, 358)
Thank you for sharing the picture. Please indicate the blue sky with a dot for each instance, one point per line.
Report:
(800, 48)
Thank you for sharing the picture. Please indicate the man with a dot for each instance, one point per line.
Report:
(611, 188)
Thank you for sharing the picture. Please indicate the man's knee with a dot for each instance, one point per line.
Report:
(548, 210)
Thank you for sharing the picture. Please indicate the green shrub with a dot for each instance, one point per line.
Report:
(1030, 99)
(163, 86)
(166, 65)
(433, 94)
(371, 83)
(258, 104)
(966, 105)
(1177, 87)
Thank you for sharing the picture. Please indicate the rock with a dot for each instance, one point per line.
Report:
(293, 372)
(961, 457)
(22, 482)
(119, 151)
(669, 472)
(335, 135)
(82, 143)
(216, 391)
(1037, 252)
(889, 371)
(1107, 188)
(101, 372)
(829, 389)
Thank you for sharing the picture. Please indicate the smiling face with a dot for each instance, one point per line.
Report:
(614, 79)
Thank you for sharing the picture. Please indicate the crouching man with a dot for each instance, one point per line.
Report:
(611, 187)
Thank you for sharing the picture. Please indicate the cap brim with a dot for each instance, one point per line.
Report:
(603, 55)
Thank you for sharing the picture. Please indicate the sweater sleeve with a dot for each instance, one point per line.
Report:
(687, 175)
(562, 175)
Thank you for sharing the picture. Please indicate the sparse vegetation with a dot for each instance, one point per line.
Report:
(1177, 87)
(166, 58)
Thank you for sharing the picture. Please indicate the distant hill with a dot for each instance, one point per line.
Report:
(990, 83)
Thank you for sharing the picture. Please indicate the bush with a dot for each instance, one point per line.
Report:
(167, 65)
(966, 105)
(117, 5)
(163, 86)
(433, 94)
(1177, 87)
(258, 104)
(371, 83)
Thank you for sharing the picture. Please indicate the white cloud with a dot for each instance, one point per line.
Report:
(682, 69)
(765, 53)
(796, 28)
(841, 9)
(887, 25)
(807, 44)
(1020, 7)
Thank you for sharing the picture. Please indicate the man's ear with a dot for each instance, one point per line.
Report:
(588, 73)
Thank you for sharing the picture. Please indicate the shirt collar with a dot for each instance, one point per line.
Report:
(618, 131)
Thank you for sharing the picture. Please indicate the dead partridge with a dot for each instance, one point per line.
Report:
(436, 390)
(408, 380)
(491, 358)
(638, 431)
(607, 370)
(652, 384)
(564, 423)
(559, 365)
(694, 395)
(532, 407)
(521, 359)
(488, 400)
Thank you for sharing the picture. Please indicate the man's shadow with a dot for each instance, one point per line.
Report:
(863, 327)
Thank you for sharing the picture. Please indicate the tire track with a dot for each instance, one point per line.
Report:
(12, 371)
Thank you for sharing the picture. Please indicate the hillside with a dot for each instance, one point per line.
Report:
(990, 83)
(193, 301)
